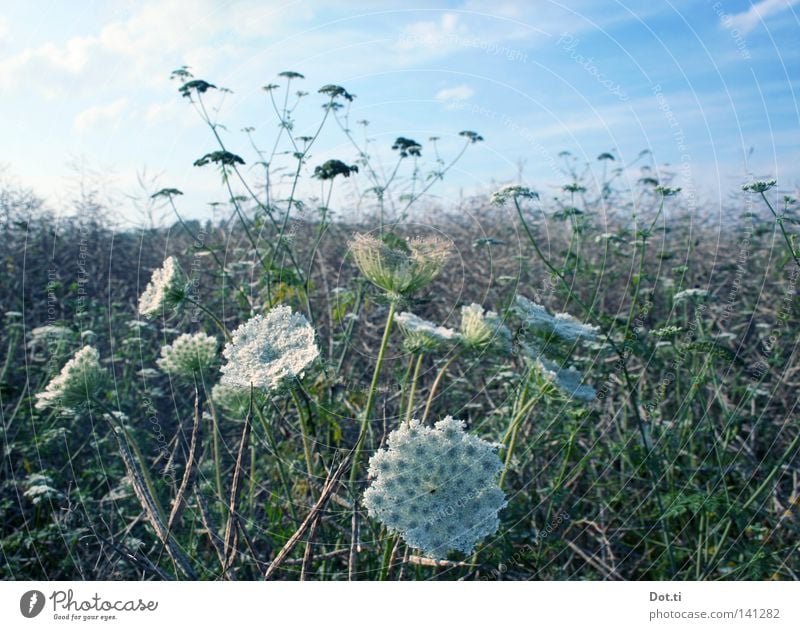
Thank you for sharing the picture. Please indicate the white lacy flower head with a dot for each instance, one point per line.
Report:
(269, 348)
(422, 335)
(188, 354)
(436, 487)
(79, 381)
(164, 289)
(400, 271)
(50, 338)
(50, 332)
(690, 294)
(512, 192)
(562, 325)
(569, 380)
(481, 330)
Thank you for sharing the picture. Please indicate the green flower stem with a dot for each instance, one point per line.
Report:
(215, 450)
(406, 376)
(216, 319)
(362, 434)
(413, 389)
(304, 432)
(281, 471)
(435, 386)
(790, 451)
(629, 382)
(511, 434)
(645, 235)
(391, 542)
(785, 234)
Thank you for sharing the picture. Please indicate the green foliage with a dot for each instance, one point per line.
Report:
(683, 467)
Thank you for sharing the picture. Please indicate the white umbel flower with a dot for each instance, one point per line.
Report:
(569, 380)
(51, 332)
(500, 197)
(422, 335)
(188, 354)
(269, 348)
(401, 271)
(79, 380)
(164, 289)
(483, 330)
(562, 325)
(691, 295)
(436, 487)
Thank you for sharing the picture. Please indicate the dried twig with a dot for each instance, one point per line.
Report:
(191, 465)
(231, 538)
(216, 541)
(147, 502)
(330, 484)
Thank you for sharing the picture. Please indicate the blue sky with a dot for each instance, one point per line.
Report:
(710, 87)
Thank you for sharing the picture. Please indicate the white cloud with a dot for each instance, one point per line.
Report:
(140, 50)
(746, 21)
(99, 114)
(457, 93)
(3, 27)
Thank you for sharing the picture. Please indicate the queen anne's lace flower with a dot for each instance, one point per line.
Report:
(51, 332)
(690, 294)
(563, 325)
(568, 380)
(268, 348)
(512, 192)
(436, 487)
(422, 335)
(163, 290)
(483, 330)
(188, 354)
(79, 380)
(400, 272)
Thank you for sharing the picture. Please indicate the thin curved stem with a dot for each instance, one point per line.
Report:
(786, 237)
(362, 434)
(413, 390)
(435, 386)
(208, 312)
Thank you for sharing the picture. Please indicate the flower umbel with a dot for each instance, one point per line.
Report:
(268, 348)
(562, 325)
(483, 330)
(165, 289)
(567, 380)
(500, 197)
(79, 381)
(403, 269)
(422, 335)
(436, 487)
(188, 355)
(691, 295)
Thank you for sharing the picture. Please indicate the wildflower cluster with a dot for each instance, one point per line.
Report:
(78, 382)
(422, 335)
(269, 348)
(512, 192)
(402, 269)
(482, 330)
(436, 487)
(188, 355)
(569, 380)
(690, 295)
(165, 289)
(545, 328)
(562, 325)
